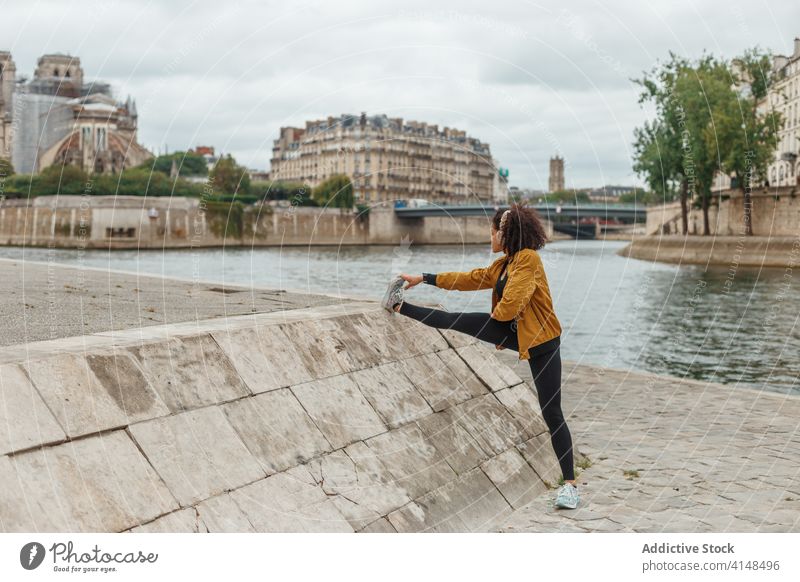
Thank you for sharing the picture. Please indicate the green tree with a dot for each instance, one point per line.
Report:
(66, 179)
(751, 136)
(295, 192)
(705, 92)
(567, 196)
(686, 142)
(188, 164)
(230, 178)
(336, 192)
(6, 169)
(659, 154)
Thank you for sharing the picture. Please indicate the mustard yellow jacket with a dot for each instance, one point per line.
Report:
(526, 296)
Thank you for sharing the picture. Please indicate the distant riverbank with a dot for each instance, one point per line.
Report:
(732, 251)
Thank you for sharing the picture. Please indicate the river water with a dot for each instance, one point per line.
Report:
(737, 327)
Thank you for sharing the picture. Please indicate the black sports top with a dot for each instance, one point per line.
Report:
(501, 283)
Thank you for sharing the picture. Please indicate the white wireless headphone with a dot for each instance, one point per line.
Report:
(503, 220)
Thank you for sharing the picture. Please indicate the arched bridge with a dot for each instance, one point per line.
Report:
(579, 221)
(554, 212)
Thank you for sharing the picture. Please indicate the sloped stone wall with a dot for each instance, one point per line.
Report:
(335, 418)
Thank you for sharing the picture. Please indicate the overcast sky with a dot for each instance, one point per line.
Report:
(529, 78)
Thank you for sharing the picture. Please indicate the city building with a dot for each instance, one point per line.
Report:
(529, 194)
(785, 98)
(258, 175)
(58, 118)
(387, 159)
(8, 73)
(208, 155)
(500, 190)
(556, 180)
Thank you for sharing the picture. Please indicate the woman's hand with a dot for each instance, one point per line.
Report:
(411, 280)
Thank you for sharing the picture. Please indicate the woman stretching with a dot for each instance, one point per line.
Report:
(522, 319)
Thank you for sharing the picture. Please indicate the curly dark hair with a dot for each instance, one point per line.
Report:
(523, 229)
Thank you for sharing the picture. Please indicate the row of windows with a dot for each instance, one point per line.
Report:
(783, 171)
(100, 140)
(389, 144)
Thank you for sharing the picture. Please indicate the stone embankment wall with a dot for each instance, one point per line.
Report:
(775, 241)
(332, 418)
(729, 251)
(774, 213)
(125, 222)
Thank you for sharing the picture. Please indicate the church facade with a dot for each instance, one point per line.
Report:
(58, 118)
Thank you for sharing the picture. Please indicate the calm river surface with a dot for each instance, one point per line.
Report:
(738, 328)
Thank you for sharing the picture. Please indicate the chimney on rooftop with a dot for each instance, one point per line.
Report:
(796, 47)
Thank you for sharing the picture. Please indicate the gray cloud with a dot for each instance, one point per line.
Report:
(530, 78)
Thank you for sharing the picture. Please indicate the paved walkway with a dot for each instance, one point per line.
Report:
(672, 455)
(44, 301)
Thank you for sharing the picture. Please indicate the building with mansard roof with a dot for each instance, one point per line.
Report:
(387, 159)
(785, 98)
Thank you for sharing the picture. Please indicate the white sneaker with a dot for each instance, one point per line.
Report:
(567, 496)
(393, 295)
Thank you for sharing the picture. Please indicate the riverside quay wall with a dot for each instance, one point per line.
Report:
(775, 242)
(139, 222)
(718, 250)
(333, 418)
(775, 212)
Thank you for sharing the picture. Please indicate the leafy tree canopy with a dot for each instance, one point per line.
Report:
(336, 192)
(228, 177)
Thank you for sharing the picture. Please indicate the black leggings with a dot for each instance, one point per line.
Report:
(545, 362)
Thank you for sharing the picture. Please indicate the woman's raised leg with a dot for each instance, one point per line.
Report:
(478, 325)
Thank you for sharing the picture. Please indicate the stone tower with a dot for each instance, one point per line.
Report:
(64, 72)
(8, 73)
(556, 182)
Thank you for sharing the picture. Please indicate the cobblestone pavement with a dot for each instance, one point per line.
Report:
(672, 455)
(44, 301)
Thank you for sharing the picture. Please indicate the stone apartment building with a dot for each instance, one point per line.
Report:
(387, 159)
(785, 98)
(59, 118)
